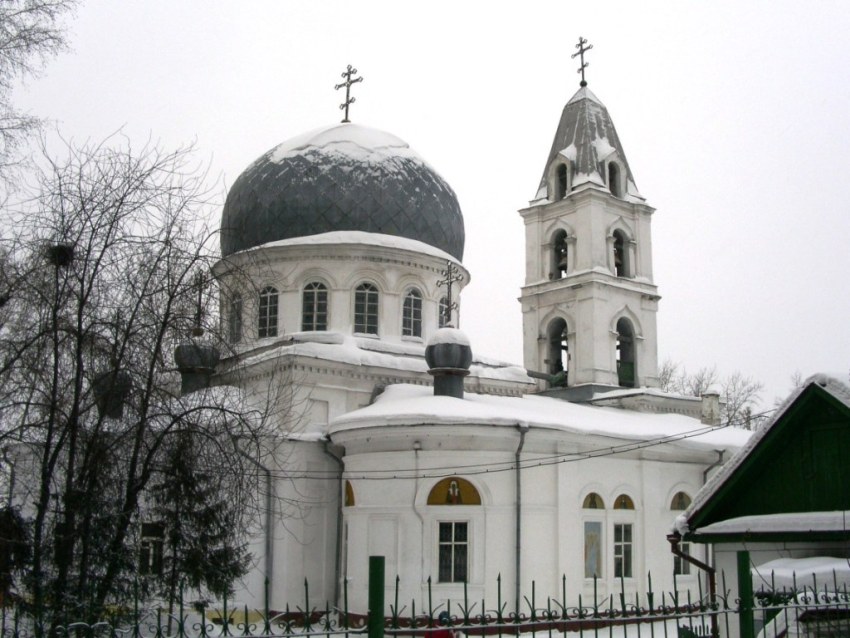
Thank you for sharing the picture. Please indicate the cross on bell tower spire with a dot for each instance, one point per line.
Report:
(581, 51)
(347, 84)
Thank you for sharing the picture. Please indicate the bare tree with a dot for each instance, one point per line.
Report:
(31, 32)
(739, 393)
(101, 272)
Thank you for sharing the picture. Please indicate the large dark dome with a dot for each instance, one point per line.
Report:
(344, 177)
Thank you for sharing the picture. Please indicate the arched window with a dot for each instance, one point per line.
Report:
(411, 316)
(626, 364)
(624, 502)
(267, 315)
(366, 309)
(558, 267)
(314, 307)
(454, 490)
(349, 495)
(681, 501)
(593, 535)
(614, 179)
(453, 535)
(622, 268)
(562, 181)
(445, 317)
(593, 502)
(234, 319)
(558, 355)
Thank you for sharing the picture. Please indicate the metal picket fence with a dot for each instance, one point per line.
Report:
(822, 610)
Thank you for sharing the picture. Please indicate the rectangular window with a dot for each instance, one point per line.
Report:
(623, 550)
(366, 309)
(453, 553)
(267, 316)
(682, 567)
(150, 549)
(592, 549)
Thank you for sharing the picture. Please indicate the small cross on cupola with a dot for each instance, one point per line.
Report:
(451, 275)
(349, 100)
(580, 53)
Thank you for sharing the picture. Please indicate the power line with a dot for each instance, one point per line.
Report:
(507, 466)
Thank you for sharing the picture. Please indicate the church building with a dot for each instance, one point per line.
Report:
(342, 274)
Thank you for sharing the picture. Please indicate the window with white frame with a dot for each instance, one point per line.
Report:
(150, 549)
(314, 307)
(267, 313)
(366, 309)
(623, 545)
(411, 316)
(453, 552)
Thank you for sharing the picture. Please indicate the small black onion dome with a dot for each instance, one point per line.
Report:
(343, 177)
(111, 389)
(448, 349)
(198, 356)
(196, 361)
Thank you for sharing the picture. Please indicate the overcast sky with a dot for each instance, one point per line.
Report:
(734, 116)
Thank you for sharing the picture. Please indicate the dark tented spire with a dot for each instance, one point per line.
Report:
(587, 138)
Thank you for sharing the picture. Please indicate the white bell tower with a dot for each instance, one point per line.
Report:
(589, 302)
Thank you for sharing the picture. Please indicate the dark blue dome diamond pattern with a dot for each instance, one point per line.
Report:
(324, 189)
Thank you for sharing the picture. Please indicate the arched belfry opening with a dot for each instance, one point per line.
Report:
(621, 254)
(626, 360)
(561, 181)
(558, 354)
(560, 255)
(614, 179)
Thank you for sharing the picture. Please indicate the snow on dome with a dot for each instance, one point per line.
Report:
(345, 177)
(449, 335)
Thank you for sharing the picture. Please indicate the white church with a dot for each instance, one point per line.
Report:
(342, 261)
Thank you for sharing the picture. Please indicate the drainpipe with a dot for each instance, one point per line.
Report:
(674, 539)
(269, 567)
(339, 500)
(718, 462)
(518, 553)
(417, 447)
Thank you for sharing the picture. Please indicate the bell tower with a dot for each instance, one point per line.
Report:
(589, 303)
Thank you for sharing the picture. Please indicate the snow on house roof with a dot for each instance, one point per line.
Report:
(793, 522)
(798, 573)
(830, 383)
(409, 404)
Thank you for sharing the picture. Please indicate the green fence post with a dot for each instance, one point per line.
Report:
(745, 594)
(375, 622)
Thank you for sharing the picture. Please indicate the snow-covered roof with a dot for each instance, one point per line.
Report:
(830, 383)
(365, 351)
(586, 136)
(794, 522)
(353, 140)
(341, 177)
(409, 405)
